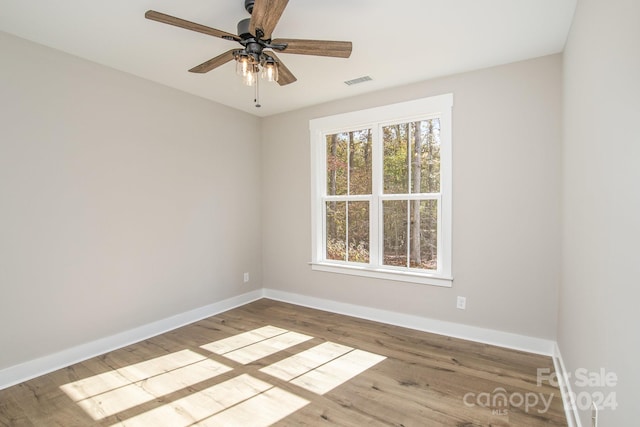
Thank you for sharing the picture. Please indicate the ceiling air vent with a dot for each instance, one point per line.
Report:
(358, 80)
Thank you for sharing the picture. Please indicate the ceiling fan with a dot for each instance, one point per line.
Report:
(257, 55)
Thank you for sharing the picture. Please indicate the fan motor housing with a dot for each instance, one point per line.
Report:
(243, 28)
(248, 5)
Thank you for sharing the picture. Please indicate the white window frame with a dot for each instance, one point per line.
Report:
(375, 118)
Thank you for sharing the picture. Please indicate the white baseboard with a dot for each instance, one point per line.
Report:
(571, 411)
(34, 368)
(456, 330)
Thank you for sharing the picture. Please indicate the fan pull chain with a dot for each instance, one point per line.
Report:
(257, 96)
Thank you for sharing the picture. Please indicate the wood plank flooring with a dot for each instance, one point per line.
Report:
(272, 363)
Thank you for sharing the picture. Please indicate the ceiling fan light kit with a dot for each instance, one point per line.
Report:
(257, 59)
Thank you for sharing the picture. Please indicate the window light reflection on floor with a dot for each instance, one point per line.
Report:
(324, 367)
(240, 401)
(254, 345)
(301, 363)
(329, 376)
(115, 391)
(244, 339)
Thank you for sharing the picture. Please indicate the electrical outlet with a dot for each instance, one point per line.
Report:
(461, 303)
(246, 277)
(594, 415)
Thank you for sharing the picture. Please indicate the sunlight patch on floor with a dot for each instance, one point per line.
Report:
(323, 367)
(265, 348)
(250, 346)
(110, 380)
(260, 411)
(232, 402)
(112, 392)
(239, 401)
(301, 363)
(338, 371)
(242, 340)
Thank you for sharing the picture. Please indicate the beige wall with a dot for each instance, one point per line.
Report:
(599, 316)
(125, 202)
(506, 203)
(122, 202)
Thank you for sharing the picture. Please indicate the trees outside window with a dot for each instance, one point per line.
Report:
(348, 170)
(381, 198)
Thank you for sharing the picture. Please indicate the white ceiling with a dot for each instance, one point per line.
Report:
(395, 42)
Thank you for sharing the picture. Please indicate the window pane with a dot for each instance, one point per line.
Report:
(412, 157)
(394, 214)
(425, 167)
(358, 232)
(360, 162)
(423, 251)
(348, 222)
(337, 166)
(396, 167)
(337, 231)
(349, 163)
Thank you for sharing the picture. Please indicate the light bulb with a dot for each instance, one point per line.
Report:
(250, 77)
(242, 65)
(270, 71)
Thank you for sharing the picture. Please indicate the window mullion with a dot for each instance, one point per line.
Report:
(409, 159)
(354, 198)
(346, 231)
(349, 166)
(439, 230)
(408, 233)
(318, 192)
(414, 196)
(375, 207)
(409, 191)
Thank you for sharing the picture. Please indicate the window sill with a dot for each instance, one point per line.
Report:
(387, 274)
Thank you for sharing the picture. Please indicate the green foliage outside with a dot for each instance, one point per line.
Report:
(411, 164)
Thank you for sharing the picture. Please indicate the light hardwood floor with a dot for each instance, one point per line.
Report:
(271, 363)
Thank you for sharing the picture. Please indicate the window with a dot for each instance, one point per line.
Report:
(381, 192)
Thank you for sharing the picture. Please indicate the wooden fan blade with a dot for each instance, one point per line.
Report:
(316, 47)
(265, 16)
(182, 23)
(285, 76)
(209, 65)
